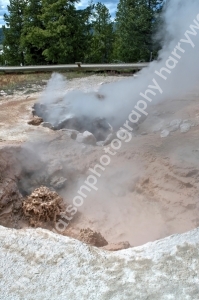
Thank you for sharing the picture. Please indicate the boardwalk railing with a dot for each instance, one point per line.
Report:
(74, 67)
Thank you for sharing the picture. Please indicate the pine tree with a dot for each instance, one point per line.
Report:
(83, 36)
(1, 36)
(135, 22)
(13, 52)
(30, 39)
(64, 33)
(102, 35)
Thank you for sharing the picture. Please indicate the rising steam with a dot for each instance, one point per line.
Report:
(142, 220)
(120, 97)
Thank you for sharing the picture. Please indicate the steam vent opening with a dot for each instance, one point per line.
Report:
(99, 127)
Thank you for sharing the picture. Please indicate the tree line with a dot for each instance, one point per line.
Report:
(1, 35)
(57, 32)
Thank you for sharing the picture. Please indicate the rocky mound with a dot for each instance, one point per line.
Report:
(10, 196)
(91, 237)
(99, 127)
(43, 205)
(36, 121)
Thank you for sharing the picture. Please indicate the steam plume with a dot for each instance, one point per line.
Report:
(179, 17)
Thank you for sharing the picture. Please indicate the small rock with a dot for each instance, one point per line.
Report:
(58, 182)
(87, 138)
(2, 93)
(190, 122)
(164, 133)
(91, 237)
(68, 122)
(185, 127)
(109, 139)
(47, 125)
(158, 127)
(36, 121)
(174, 125)
(71, 133)
(117, 246)
(144, 133)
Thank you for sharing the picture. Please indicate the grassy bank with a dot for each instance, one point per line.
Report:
(11, 82)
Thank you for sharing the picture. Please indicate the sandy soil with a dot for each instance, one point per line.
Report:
(149, 191)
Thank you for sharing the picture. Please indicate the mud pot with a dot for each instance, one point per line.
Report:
(149, 191)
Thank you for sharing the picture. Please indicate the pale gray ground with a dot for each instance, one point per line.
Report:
(39, 265)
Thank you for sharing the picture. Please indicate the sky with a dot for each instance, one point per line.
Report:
(3, 9)
(112, 5)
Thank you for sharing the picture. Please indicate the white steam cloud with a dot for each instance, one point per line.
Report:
(181, 30)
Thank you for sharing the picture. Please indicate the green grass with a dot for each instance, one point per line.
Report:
(11, 82)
